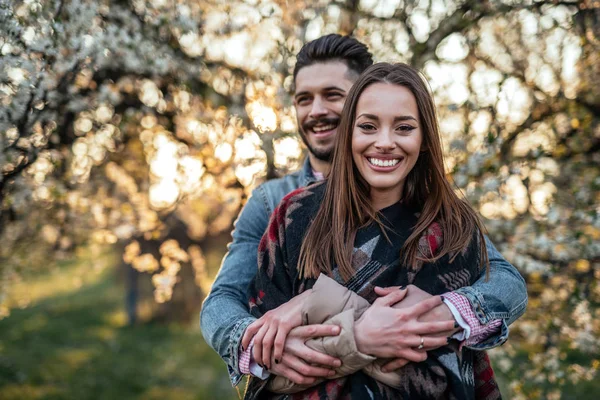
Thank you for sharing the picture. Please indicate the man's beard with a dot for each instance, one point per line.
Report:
(321, 154)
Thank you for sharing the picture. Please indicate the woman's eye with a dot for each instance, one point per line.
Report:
(406, 128)
(366, 127)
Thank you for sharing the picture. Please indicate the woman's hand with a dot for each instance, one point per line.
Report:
(439, 313)
(301, 364)
(386, 332)
(270, 330)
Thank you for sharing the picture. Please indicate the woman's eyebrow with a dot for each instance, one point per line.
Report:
(370, 116)
(405, 118)
(396, 119)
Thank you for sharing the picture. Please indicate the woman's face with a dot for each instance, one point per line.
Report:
(386, 139)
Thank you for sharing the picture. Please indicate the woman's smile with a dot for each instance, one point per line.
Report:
(384, 163)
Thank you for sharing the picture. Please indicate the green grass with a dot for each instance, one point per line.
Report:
(72, 342)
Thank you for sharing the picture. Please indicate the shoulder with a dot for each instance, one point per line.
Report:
(303, 200)
(274, 190)
(285, 184)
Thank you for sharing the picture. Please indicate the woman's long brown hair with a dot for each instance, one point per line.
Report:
(347, 207)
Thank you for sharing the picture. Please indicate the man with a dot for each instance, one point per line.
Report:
(324, 73)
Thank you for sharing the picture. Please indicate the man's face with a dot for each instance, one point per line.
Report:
(321, 90)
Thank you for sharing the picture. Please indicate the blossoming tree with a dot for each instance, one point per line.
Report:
(147, 122)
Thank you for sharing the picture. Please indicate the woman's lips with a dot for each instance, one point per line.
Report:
(384, 164)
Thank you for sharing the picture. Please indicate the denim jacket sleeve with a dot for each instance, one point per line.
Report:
(225, 316)
(503, 296)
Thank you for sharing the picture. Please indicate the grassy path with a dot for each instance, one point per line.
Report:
(72, 342)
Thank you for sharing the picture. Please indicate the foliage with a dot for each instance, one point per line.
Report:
(150, 121)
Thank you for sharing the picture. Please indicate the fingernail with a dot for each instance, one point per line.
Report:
(276, 361)
(331, 373)
(402, 287)
(336, 329)
(337, 363)
(456, 325)
(384, 370)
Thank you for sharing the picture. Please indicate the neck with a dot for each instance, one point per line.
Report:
(385, 198)
(319, 165)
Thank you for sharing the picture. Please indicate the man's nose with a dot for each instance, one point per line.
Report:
(318, 108)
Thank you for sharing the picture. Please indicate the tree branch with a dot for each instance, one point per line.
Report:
(540, 112)
(465, 17)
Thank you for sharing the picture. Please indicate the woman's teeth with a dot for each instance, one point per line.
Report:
(324, 128)
(383, 163)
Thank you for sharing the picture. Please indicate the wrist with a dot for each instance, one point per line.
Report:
(361, 343)
(306, 293)
(462, 329)
(446, 314)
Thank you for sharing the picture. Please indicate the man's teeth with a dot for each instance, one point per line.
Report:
(383, 163)
(324, 128)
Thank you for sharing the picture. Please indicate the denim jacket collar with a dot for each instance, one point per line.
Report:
(306, 174)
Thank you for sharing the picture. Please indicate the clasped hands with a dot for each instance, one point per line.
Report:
(382, 331)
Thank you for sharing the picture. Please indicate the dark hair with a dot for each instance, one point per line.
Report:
(347, 205)
(334, 47)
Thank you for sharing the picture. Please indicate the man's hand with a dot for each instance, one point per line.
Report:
(439, 313)
(416, 295)
(270, 330)
(301, 364)
(387, 332)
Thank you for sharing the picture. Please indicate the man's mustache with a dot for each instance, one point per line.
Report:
(321, 121)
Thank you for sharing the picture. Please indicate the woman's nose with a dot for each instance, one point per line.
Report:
(384, 140)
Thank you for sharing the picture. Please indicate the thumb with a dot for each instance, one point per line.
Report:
(392, 298)
(251, 330)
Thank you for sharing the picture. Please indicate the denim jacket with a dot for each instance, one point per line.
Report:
(225, 316)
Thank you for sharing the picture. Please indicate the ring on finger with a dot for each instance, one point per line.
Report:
(421, 345)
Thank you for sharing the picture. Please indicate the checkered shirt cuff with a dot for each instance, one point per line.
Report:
(475, 332)
(244, 359)
(247, 364)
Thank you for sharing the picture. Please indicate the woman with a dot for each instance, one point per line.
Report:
(386, 216)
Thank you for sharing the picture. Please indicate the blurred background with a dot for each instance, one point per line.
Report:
(132, 132)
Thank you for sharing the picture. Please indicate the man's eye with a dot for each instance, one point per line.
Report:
(334, 96)
(303, 100)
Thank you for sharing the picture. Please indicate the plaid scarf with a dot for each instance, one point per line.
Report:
(448, 373)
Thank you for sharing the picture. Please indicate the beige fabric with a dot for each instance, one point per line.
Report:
(332, 303)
